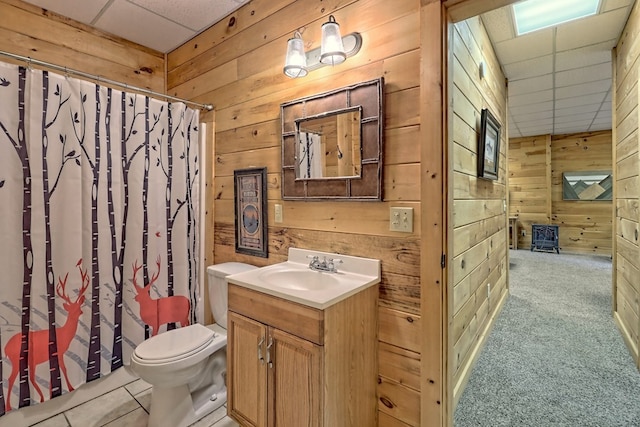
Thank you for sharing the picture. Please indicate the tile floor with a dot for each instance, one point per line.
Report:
(127, 406)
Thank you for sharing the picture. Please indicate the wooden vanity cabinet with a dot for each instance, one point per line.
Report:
(291, 365)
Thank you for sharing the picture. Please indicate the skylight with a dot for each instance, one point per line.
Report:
(533, 15)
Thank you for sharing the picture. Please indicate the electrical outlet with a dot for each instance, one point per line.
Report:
(401, 219)
(278, 215)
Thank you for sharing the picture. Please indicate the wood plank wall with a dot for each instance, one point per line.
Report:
(479, 245)
(536, 165)
(626, 256)
(237, 65)
(30, 31)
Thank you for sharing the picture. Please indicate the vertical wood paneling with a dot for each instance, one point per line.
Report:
(626, 160)
(436, 408)
(478, 266)
(528, 184)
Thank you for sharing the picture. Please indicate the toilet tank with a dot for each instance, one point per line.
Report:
(217, 283)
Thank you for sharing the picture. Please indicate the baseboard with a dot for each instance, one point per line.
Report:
(475, 353)
(631, 345)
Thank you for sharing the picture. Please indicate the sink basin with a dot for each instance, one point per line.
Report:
(293, 280)
(297, 279)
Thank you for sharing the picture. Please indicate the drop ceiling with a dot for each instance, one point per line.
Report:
(162, 25)
(559, 77)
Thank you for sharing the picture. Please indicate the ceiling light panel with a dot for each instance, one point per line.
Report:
(533, 15)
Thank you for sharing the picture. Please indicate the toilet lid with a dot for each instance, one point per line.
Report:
(175, 343)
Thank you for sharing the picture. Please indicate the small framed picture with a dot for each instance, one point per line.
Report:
(250, 194)
(488, 146)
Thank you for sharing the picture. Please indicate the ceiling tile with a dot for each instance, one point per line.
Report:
(615, 4)
(599, 126)
(583, 89)
(530, 68)
(536, 130)
(605, 123)
(499, 24)
(583, 75)
(580, 100)
(525, 47)
(561, 120)
(540, 115)
(532, 123)
(532, 108)
(603, 115)
(575, 126)
(582, 57)
(576, 110)
(591, 30)
(141, 26)
(194, 14)
(531, 98)
(533, 84)
(83, 11)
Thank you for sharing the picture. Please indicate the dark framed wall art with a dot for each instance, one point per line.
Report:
(250, 196)
(488, 146)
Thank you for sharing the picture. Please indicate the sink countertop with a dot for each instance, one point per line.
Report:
(354, 275)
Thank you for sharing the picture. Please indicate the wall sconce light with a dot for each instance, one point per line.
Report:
(334, 50)
(296, 61)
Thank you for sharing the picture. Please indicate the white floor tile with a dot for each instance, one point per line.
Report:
(137, 418)
(137, 386)
(102, 410)
(144, 399)
(226, 422)
(57, 421)
(212, 418)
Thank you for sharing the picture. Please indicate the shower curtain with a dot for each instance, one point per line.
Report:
(310, 155)
(99, 238)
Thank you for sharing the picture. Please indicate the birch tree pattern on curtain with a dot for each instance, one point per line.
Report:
(98, 200)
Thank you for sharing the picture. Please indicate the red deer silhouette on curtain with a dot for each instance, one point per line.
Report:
(160, 311)
(39, 340)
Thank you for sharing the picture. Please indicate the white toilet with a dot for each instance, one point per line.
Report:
(187, 366)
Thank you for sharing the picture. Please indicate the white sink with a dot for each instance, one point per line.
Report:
(295, 281)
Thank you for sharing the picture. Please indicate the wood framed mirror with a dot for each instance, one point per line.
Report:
(332, 144)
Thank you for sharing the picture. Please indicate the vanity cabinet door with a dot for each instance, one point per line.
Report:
(295, 381)
(246, 370)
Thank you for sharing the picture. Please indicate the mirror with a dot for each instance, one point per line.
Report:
(332, 144)
(329, 145)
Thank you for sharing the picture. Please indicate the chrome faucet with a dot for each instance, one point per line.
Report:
(326, 265)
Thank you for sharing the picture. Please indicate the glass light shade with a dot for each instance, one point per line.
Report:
(332, 49)
(296, 60)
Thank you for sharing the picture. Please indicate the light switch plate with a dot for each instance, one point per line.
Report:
(401, 219)
(278, 213)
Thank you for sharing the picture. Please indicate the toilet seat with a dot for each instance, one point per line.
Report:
(174, 345)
